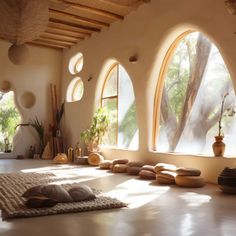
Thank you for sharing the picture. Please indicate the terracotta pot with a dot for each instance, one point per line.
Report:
(218, 146)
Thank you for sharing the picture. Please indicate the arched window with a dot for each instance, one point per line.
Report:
(192, 83)
(118, 98)
(9, 118)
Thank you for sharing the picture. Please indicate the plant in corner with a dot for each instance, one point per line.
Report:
(219, 146)
(94, 134)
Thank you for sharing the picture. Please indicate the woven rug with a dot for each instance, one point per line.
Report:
(13, 185)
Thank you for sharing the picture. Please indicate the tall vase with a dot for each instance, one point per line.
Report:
(218, 146)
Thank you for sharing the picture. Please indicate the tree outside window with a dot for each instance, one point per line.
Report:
(195, 81)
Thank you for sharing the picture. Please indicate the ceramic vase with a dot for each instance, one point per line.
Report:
(218, 146)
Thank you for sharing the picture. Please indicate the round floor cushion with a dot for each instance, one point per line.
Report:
(135, 164)
(147, 174)
(95, 159)
(188, 171)
(189, 181)
(120, 161)
(148, 168)
(133, 170)
(119, 168)
(105, 164)
(164, 167)
(81, 192)
(166, 177)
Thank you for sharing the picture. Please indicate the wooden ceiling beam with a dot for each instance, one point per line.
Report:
(60, 37)
(65, 21)
(94, 10)
(56, 42)
(54, 13)
(40, 43)
(65, 32)
(64, 26)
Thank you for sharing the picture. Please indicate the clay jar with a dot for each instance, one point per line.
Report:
(218, 146)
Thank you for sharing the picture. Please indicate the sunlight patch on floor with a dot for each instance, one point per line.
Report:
(195, 199)
(137, 192)
(69, 173)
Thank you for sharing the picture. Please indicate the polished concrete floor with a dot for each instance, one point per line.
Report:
(153, 209)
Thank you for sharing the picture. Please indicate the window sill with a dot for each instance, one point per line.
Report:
(177, 154)
(117, 148)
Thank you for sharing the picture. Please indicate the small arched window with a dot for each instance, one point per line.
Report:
(118, 97)
(192, 83)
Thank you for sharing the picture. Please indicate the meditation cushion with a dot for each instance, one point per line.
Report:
(95, 159)
(60, 158)
(166, 177)
(135, 164)
(32, 192)
(81, 192)
(165, 167)
(188, 171)
(40, 201)
(133, 170)
(148, 168)
(119, 168)
(81, 160)
(146, 174)
(120, 161)
(189, 181)
(55, 192)
(105, 164)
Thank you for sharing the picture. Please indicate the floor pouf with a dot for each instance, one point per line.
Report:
(133, 170)
(135, 164)
(188, 171)
(146, 174)
(95, 159)
(189, 181)
(148, 168)
(120, 161)
(166, 177)
(105, 165)
(119, 168)
(164, 167)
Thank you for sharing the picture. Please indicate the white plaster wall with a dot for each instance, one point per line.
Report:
(42, 68)
(148, 32)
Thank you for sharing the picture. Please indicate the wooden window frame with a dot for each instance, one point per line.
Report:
(159, 87)
(113, 66)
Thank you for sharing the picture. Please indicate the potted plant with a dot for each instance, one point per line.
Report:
(94, 134)
(219, 146)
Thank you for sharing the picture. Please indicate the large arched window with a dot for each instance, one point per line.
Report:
(192, 83)
(118, 98)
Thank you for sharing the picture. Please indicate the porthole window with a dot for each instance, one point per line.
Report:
(118, 97)
(192, 83)
(76, 63)
(75, 90)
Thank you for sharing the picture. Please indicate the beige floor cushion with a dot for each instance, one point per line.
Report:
(135, 164)
(133, 170)
(119, 168)
(166, 177)
(95, 159)
(164, 167)
(189, 181)
(146, 174)
(188, 171)
(148, 167)
(164, 180)
(120, 161)
(105, 164)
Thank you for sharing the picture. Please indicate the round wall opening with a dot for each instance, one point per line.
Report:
(76, 63)
(75, 90)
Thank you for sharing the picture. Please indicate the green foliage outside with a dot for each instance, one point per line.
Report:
(9, 118)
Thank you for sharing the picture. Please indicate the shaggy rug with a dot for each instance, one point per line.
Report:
(13, 185)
